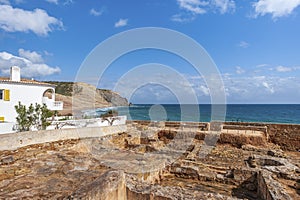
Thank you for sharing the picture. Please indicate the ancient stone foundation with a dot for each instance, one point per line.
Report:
(155, 161)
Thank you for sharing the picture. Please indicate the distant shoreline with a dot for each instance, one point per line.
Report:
(247, 113)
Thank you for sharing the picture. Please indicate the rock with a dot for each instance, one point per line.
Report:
(220, 176)
(275, 153)
(7, 160)
(252, 162)
(250, 186)
(86, 96)
(297, 185)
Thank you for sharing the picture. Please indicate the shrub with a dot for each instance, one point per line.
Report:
(33, 117)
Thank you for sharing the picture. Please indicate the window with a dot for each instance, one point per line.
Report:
(4, 95)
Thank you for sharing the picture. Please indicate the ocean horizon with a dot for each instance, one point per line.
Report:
(263, 113)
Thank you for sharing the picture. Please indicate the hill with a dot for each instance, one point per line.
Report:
(83, 96)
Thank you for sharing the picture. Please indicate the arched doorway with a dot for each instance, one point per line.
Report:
(49, 93)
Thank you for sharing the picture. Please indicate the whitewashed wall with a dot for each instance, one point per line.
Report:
(96, 122)
(6, 127)
(26, 94)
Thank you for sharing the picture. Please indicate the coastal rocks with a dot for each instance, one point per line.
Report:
(112, 97)
(81, 96)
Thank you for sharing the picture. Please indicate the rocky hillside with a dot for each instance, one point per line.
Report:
(82, 96)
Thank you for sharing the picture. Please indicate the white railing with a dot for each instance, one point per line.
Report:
(57, 105)
(95, 122)
(53, 105)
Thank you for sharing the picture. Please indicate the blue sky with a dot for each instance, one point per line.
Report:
(255, 44)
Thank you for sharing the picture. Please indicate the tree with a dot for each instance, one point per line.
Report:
(22, 118)
(110, 116)
(33, 117)
(45, 114)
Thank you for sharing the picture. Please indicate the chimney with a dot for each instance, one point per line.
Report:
(15, 73)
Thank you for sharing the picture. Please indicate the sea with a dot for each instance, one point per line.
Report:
(268, 113)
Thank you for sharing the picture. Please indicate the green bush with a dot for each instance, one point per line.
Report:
(33, 117)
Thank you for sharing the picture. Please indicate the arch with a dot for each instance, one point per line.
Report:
(49, 93)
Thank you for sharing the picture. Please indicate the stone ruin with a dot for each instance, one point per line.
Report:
(158, 161)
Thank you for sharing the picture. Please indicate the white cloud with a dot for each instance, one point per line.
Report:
(239, 70)
(5, 2)
(52, 1)
(19, 20)
(68, 2)
(224, 6)
(286, 69)
(32, 56)
(194, 6)
(182, 17)
(95, 12)
(30, 62)
(262, 65)
(283, 69)
(121, 22)
(268, 87)
(243, 44)
(205, 90)
(48, 53)
(191, 8)
(277, 8)
(245, 88)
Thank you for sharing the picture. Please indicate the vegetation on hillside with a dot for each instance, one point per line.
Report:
(63, 88)
(66, 89)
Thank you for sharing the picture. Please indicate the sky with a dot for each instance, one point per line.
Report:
(254, 44)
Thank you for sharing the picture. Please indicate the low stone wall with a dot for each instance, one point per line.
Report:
(242, 127)
(287, 136)
(14, 141)
(172, 124)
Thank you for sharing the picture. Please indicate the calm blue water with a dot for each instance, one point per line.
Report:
(271, 113)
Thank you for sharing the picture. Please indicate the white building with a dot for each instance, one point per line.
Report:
(15, 89)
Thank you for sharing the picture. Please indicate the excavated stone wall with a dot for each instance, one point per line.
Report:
(287, 136)
(109, 186)
(225, 169)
